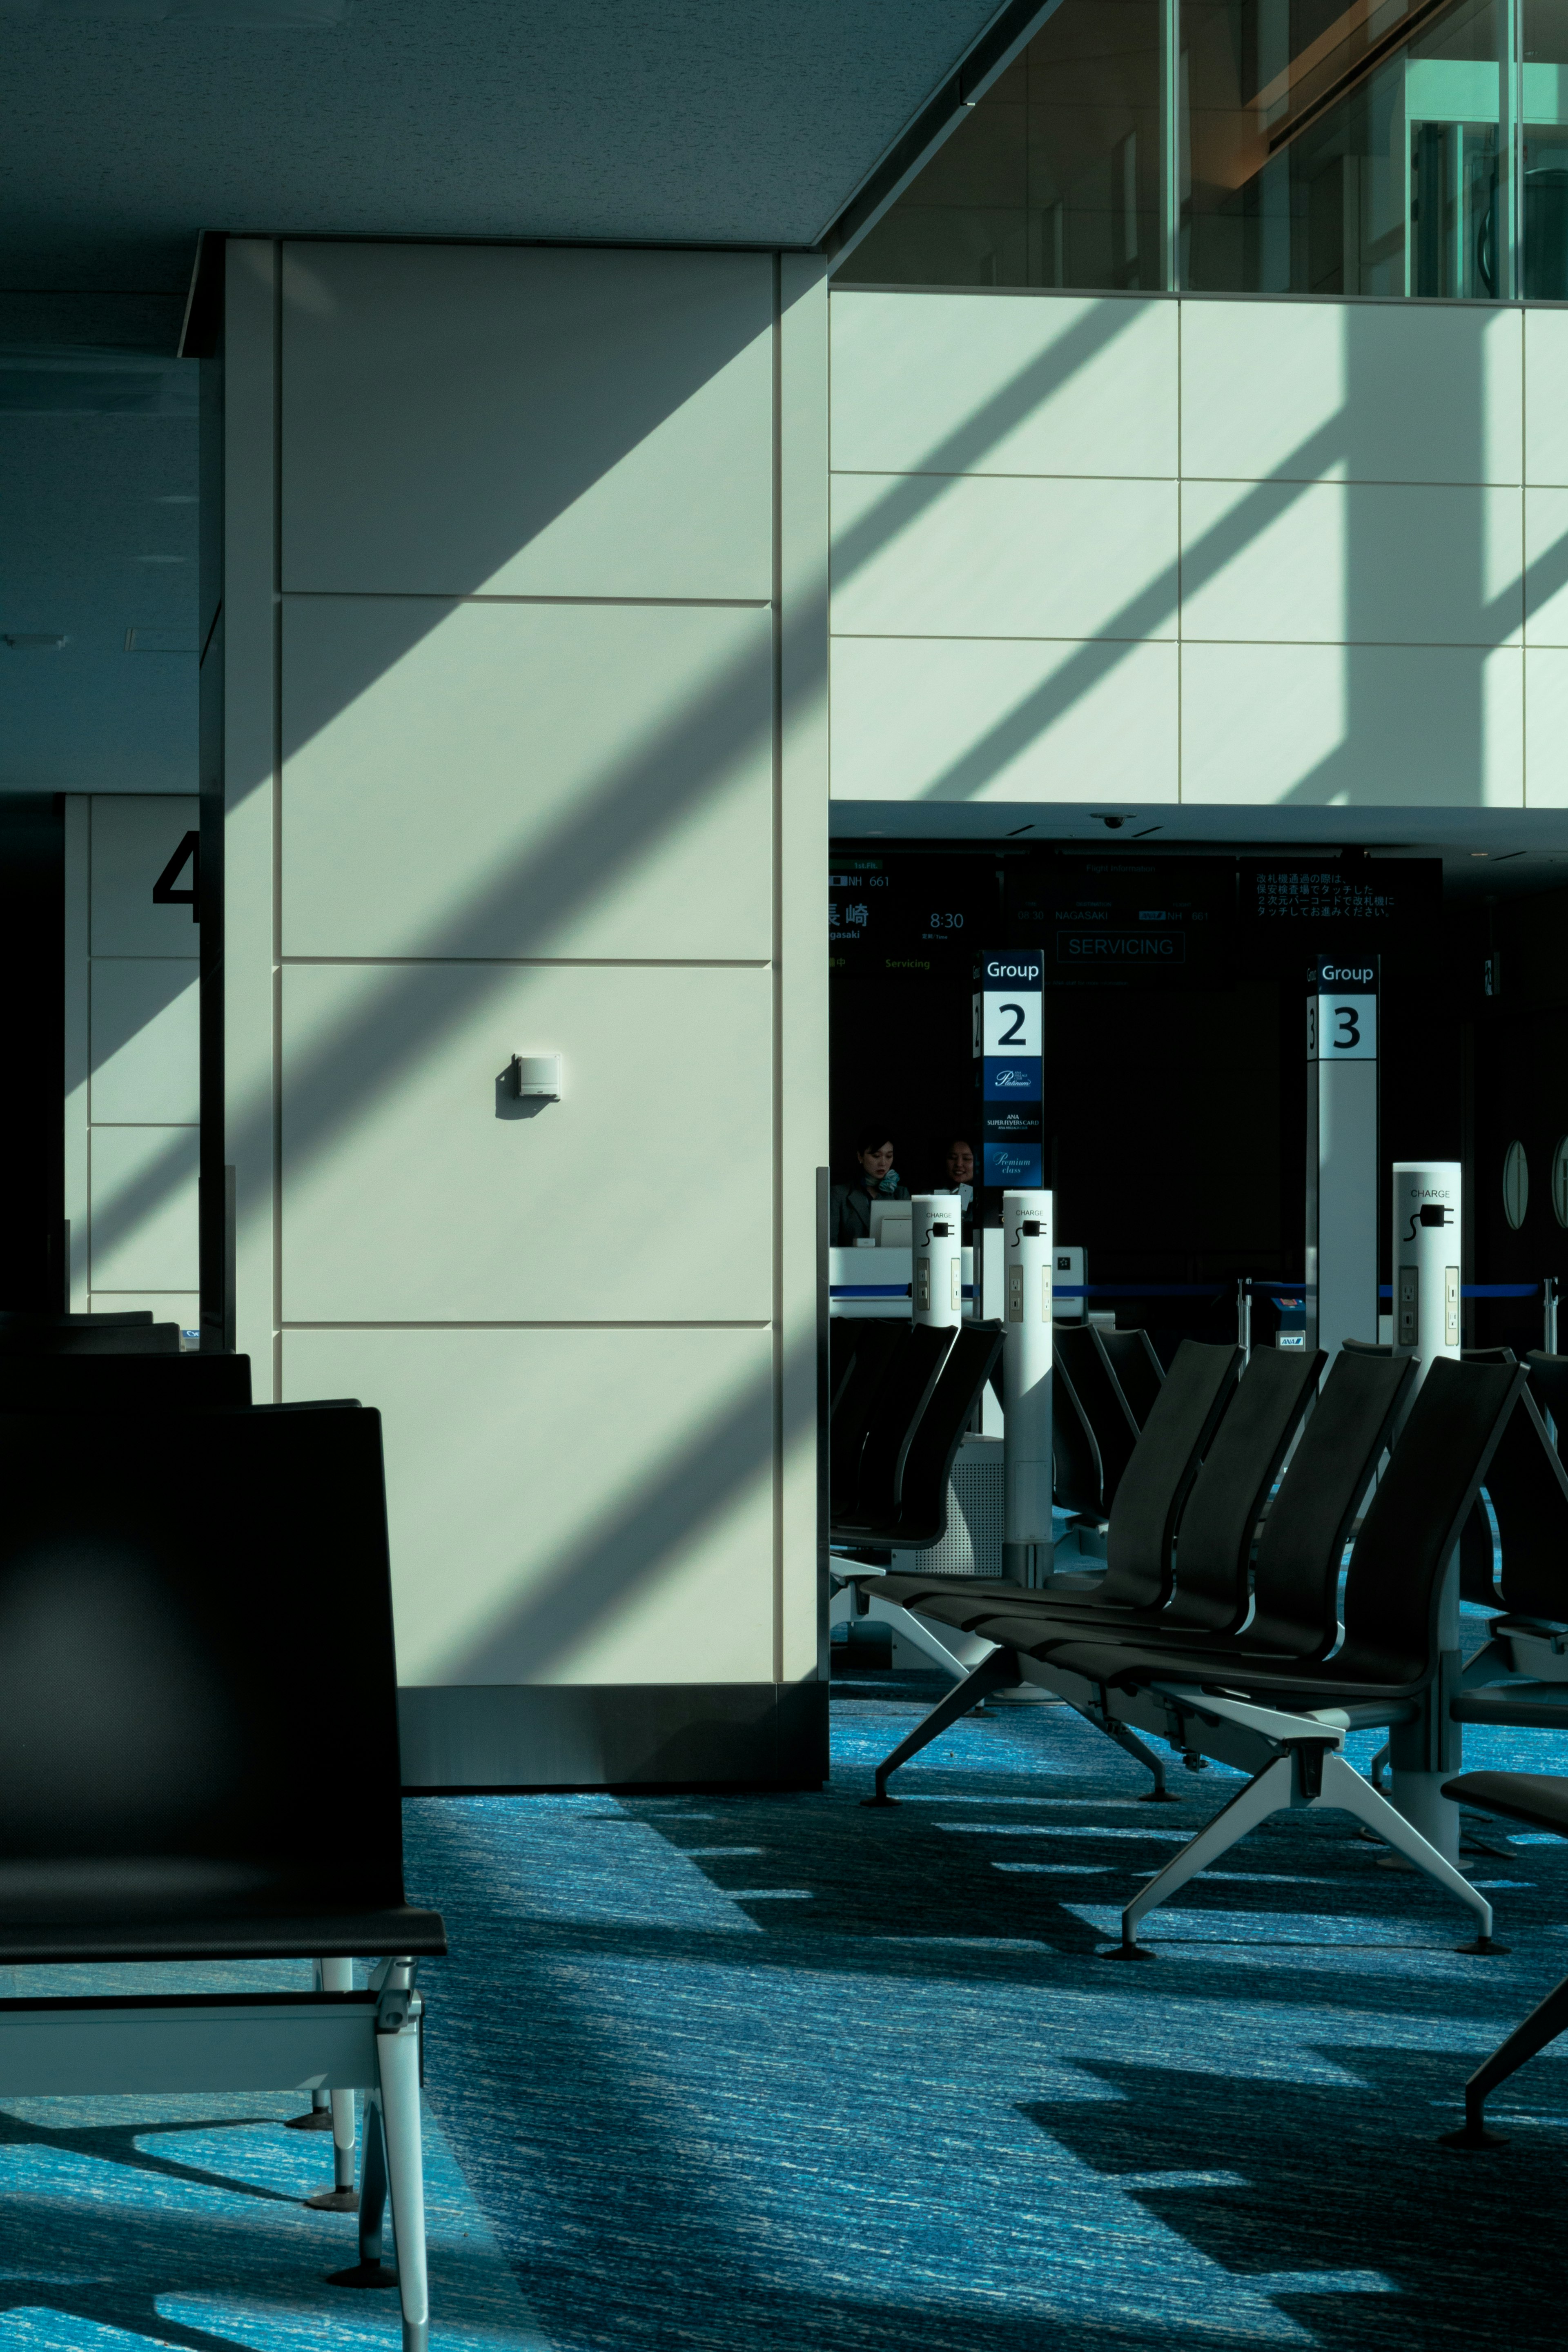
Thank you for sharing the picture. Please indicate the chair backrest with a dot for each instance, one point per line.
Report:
(162, 1645)
(875, 1347)
(1413, 1522)
(922, 1503)
(905, 1392)
(1549, 1386)
(1296, 1576)
(1528, 1487)
(1367, 1347)
(1106, 1414)
(20, 1336)
(1164, 1462)
(1136, 1369)
(198, 1383)
(1078, 1483)
(1220, 1526)
(20, 1318)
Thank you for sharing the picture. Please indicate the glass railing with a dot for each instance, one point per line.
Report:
(1391, 147)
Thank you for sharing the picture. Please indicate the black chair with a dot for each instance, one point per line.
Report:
(1082, 1368)
(1153, 1489)
(1139, 1547)
(23, 1318)
(871, 1355)
(902, 1396)
(175, 1384)
(1137, 1370)
(1078, 1480)
(1539, 1799)
(1549, 1387)
(1383, 1671)
(1528, 1488)
(919, 1521)
(159, 1798)
(119, 1383)
(94, 1335)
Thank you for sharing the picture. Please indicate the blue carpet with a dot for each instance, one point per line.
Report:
(718, 2074)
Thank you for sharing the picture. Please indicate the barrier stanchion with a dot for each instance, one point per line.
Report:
(1026, 1359)
(937, 1235)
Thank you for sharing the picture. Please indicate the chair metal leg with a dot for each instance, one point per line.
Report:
(338, 1976)
(1128, 1739)
(1377, 1768)
(920, 1636)
(1544, 2023)
(397, 2062)
(1344, 1787)
(318, 2115)
(369, 2270)
(996, 1672)
(1268, 1793)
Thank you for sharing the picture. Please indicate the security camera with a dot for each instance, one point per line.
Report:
(1113, 824)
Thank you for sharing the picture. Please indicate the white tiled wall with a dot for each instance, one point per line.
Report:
(1199, 549)
(132, 1106)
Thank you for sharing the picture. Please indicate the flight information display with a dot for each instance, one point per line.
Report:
(1122, 921)
(909, 913)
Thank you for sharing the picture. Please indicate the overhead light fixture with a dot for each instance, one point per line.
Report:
(1480, 852)
(238, 16)
(25, 641)
(159, 641)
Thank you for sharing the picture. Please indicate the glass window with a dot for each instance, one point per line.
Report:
(1543, 96)
(1334, 149)
(1054, 178)
(1320, 147)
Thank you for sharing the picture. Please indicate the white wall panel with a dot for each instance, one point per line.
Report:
(958, 383)
(1365, 392)
(1358, 563)
(133, 839)
(1546, 575)
(142, 1189)
(606, 779)
(145, 1040)
(569, 1507)
(997, 558)
(1546, 729)
(1545, 407)
(527, 421)
(1357, 726)
(983, 718)
(412, 1193)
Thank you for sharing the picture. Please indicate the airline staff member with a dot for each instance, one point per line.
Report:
(875, 1179)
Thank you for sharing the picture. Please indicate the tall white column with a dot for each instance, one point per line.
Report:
(1027, 1218)
(1425, 1230)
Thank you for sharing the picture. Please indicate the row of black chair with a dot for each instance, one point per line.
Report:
(1278, 1692)
(158, 1783)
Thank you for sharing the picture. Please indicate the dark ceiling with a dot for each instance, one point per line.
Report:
(126, 126)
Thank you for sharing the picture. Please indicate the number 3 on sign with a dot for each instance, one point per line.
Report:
(1346, 1029)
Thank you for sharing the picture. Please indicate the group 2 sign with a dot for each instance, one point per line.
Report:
(1009, 1046)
